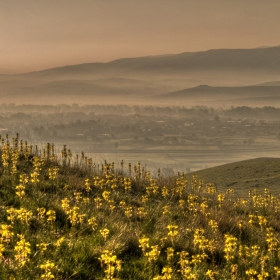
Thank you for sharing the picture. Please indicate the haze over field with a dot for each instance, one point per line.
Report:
(150, 56)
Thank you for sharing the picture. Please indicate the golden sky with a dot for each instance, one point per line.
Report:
(40, 34)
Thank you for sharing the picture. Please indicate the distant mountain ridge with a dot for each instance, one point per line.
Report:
(256, 95)
(258, 59)
(228, 72)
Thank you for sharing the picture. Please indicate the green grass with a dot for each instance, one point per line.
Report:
(55, 210)
(245, 175)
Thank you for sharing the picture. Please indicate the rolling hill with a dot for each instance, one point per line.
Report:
(273, 83)
(243, 176)
(204, 92)
(207, 95)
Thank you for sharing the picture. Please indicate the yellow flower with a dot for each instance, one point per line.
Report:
(173, 230)
(22, 250)
(41, 212)
(92, 221)
(42, 247)
(170, 253)
(153, 254)
(105, 232)
(5, 233)
(110, 263)
(144, 244)
(47, 267)
(51, 216)
(20, 190)
(230, 247)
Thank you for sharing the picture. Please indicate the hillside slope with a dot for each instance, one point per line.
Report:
(243, 176)
(64, 217)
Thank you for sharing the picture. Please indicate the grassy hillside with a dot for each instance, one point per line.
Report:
(65, 217)
(244, 175)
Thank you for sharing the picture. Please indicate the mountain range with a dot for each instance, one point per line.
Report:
(230, 74)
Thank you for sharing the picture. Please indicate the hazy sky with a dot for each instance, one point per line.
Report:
(39, 34)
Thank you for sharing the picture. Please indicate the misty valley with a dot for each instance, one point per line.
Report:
(172, 138)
